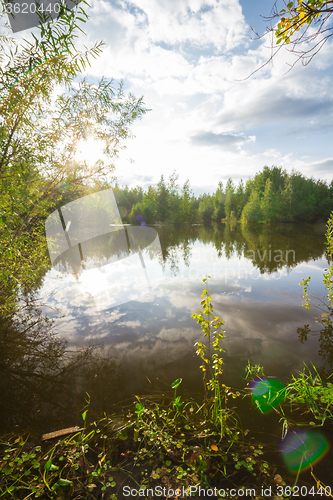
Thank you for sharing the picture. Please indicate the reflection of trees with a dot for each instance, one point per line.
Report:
(272, 248)
(100, 250)
(269, 248)
(325, 340)
(42, 381)
(176, 242)
(325, 305)
(233, 241)
(107, 248)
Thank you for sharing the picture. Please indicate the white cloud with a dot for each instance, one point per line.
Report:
(202, 23)
(189, 60)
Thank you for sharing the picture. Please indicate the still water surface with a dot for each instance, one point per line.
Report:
(143, 345)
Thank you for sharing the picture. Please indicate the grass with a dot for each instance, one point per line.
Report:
(309, 393)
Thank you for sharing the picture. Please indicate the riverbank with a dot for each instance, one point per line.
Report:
(157, 447)
(149, 446)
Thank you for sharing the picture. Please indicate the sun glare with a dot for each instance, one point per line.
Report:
(90, 151)
(95, 280)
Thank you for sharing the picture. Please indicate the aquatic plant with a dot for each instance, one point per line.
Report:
(308, 391)
(212, 362)
(149, 443)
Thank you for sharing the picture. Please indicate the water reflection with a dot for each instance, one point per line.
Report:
(325, 341)
(43, 380)
(146, 343)
(268, 248)
(87, 240)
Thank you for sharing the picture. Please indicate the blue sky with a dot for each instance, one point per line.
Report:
(190, 59)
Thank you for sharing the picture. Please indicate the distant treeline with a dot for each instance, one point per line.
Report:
(272, 195)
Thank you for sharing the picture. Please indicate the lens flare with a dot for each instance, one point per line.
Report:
(302, 449)
(103, 262)
(267, 393)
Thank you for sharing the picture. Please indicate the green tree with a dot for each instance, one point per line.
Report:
(240, 199)
(229, 205)
(126, 198)
(286, 205)
(145, 211)
(304, 199)
(269, 204)
(252, 211)
(275, 174)
(219, 201)
(38, 141)
(186, 206)
(174, 198)
(162, 200)
(206, 209)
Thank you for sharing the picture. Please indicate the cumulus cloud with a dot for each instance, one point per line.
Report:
(190, 59)
(268, 103)
(175, 22)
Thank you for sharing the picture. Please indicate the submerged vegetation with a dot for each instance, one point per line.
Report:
(151, 445)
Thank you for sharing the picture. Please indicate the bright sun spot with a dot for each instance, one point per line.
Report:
(95, 280)
(90, 151)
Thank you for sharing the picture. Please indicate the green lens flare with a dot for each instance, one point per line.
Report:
(302, 449)
(267, 393)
